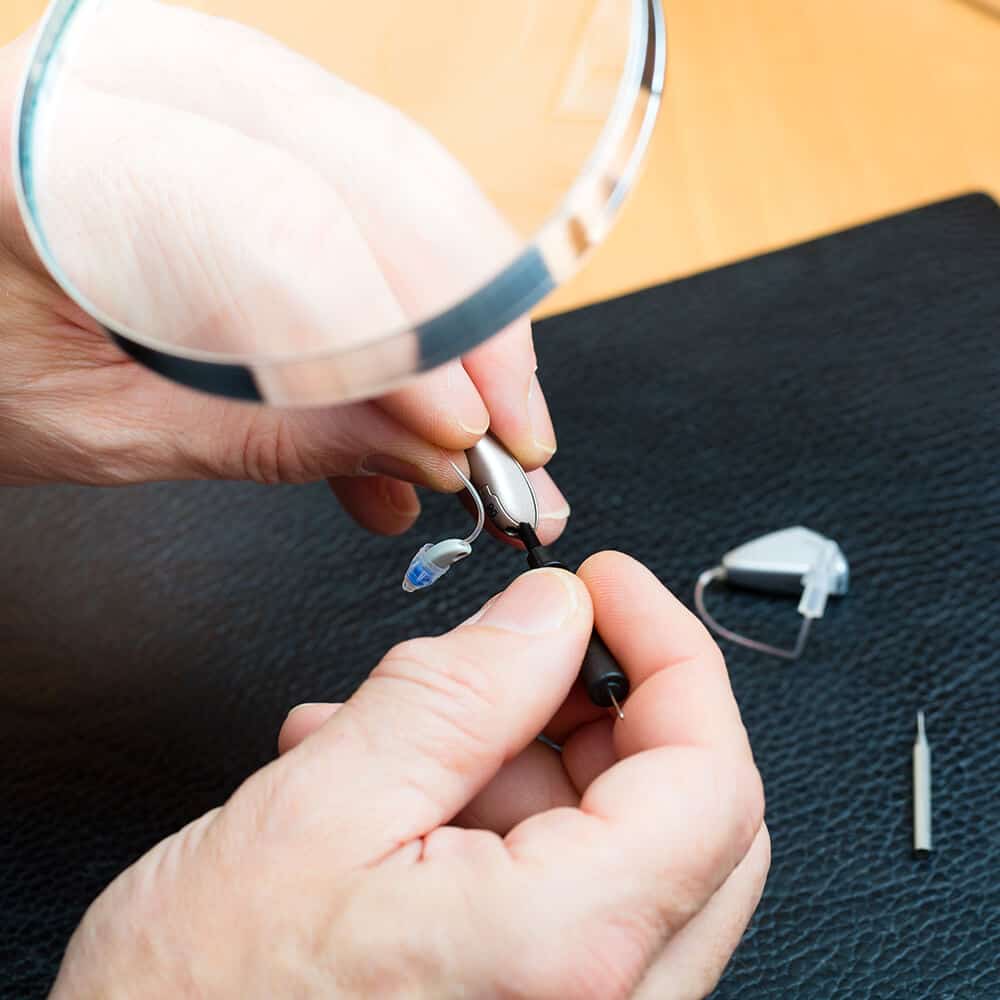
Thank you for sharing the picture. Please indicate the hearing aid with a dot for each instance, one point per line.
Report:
(503, 486)
(795, 561)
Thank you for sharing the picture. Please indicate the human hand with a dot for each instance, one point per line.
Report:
(73, 408)
(417, 841)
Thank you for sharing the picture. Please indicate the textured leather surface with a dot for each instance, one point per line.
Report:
(152, 639)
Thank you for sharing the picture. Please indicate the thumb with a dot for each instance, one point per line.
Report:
(439, 717)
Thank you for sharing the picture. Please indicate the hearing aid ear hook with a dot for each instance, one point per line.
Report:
(783, 562)
(433, 560)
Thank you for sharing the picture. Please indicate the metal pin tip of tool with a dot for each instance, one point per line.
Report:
(618, 708)
(920, 726)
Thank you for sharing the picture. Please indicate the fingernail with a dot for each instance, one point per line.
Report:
(558, 514)
(333, 707)
(471, 413)
(477, 431)
(400, 497)
(395, 468)
(534, 604)
(539, 418)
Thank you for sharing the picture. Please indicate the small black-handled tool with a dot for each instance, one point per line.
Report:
(604, 681)
(510, 504)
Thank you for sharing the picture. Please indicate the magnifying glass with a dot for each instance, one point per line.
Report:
(308, 203)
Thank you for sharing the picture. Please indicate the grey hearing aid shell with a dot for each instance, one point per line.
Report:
(507, 494)
(777, 562)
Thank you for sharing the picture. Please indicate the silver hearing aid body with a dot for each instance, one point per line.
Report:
(507, 495)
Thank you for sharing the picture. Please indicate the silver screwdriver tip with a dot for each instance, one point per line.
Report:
(618, 708)
(921, 734)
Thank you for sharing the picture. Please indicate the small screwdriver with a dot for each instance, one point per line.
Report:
(921, 792)
(604, 681)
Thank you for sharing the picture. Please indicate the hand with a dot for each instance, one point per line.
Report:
(417, 841)
(73, 408)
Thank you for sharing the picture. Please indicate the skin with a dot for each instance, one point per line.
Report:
(416, 841)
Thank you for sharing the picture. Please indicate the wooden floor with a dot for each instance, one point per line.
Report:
(784, 119)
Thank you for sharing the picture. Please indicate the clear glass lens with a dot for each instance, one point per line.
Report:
(335, 195)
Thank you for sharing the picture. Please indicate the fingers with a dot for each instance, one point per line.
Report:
(271, 446)
(576, 711)
(652, 634)
(553, 510)
(691, 965)
(541, 778)
(503, 370)
(661, 830)
(442, 406)
(653, 840)
(389, 506)
(380, 505)
(438, 718)
(680, 687)
(589, 752)
(532, 782)
(681, 693)
(303, 721)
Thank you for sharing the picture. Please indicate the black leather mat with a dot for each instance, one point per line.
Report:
(152, 639)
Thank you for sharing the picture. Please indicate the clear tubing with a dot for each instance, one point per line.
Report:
(709, 577)
(480, 511)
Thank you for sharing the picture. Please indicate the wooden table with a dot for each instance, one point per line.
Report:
(785, 119)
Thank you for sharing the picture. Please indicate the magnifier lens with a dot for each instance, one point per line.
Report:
(310, 202)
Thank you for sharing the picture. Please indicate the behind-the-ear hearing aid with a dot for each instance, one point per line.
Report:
(791, 561)
(503, 487)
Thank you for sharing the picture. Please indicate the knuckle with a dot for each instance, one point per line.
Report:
(270, 454)
(260, 452)
(267, 806)
(680, 897)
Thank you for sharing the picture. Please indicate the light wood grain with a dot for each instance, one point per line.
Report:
(784, 119)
